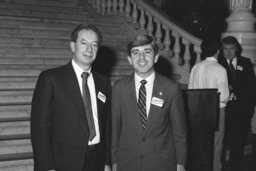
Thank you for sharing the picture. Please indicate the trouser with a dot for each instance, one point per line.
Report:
(218, 141)
(236, 135)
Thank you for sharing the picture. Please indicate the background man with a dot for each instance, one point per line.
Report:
(148, 120)
(240, 107)
(70, 114)
(210, 74)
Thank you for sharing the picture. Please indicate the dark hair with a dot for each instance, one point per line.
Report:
(142, 40)
(91, 27)
(209, 47)
(231, 40)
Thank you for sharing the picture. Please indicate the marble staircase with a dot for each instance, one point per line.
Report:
(34, 36)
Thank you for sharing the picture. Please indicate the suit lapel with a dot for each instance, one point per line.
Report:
(158, 93)
(72, 87)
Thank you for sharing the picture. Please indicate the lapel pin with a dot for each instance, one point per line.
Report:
(160, 93)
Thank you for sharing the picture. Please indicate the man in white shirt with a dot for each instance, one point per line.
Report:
(210, 74)
(148, 119)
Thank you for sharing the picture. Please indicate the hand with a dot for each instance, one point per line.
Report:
(180, 167)
(114, 167)
(107, 168)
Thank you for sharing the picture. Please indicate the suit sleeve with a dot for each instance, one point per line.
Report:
(116, 122)
(179, 126)
(41, 114)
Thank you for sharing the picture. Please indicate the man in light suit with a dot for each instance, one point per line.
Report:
(241, 104)
(148, 120)
(64, 136)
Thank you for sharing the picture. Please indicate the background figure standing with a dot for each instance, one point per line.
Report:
(70, 122)
(148, 119)
(240, 107)
(210, 74)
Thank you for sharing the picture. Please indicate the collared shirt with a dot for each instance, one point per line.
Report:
(210, 74)
(234, 61)
(149, 88)
(91, 85)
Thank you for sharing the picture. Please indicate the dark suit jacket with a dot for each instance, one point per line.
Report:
(59, 129)
(244, 85)
(163, 143)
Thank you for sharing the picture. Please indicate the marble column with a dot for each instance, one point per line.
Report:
(241, 24)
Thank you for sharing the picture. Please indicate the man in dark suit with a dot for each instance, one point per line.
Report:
(70, 122)
(240, 107)
(148, 120)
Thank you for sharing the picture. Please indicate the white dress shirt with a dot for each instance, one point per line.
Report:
(91, 85)
(210, 74)
(149, 88)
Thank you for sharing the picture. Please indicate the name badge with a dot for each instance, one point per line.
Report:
(239, 68)
(102, 97)
(157, 102)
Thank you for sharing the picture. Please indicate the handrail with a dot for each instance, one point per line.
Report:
(175, 43)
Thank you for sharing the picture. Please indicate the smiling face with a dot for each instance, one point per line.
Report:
(85, 48)
(142, 59)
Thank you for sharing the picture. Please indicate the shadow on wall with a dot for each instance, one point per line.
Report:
(106, 59)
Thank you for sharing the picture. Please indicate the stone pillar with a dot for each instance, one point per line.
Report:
(240, 24)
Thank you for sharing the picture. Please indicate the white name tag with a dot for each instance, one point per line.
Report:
(157, 102)
(239, 68)
(102, 97)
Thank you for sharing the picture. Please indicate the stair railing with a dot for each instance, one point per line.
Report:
(174, 41)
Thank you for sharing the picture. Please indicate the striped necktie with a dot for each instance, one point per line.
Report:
(142, 104)
(88, 106)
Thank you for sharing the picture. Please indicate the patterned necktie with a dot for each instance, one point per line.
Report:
(142, 104)
(88, 107)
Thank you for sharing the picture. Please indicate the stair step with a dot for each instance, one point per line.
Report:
(39, 13)
(14, 130)
(33, 61)
(16, 148)
(43, 3)
(15, 97)
(16, 156)
(24, 42)
(16, 165)
(15, 137)
(17, 111)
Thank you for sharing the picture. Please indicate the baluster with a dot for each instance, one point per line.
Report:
(142, 20)
(98, 6)
(109, 6)
(158, 34)
(121, 6)
(187, 56)
(103, 6)
(128, 11)
(167, 40)
(176, 49)
(114, 6)
(150, 25)
(134, 14)
(93, 3)
(198, 51)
